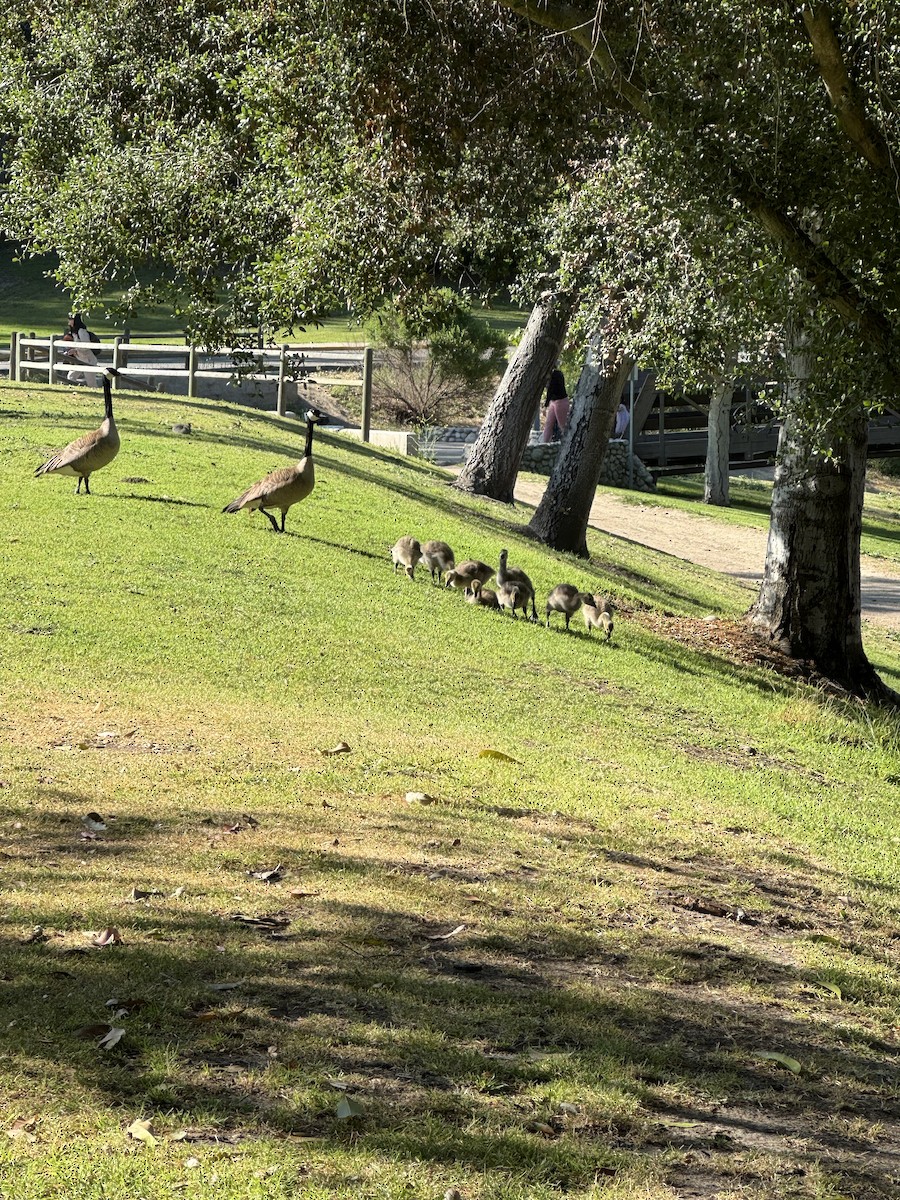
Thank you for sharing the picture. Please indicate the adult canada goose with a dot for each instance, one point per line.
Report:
(406, 553)
(438, 557)
(507, 574)
(287, 485)
(91, 451)
(513, 595)
(597, 612)
(564, 598)
(465, 573)
(476, 594)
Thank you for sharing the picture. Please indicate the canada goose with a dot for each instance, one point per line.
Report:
(465, 573)
(91, 451)
(476, 594)
(406, 553)
(438, 557)
(507, 574)
(287, 485)
(513, 595)
(564, 598)
(597, 612)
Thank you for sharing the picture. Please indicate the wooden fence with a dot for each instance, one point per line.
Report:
(28, 356)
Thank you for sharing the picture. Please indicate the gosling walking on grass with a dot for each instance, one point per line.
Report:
(406, 553)
(92, 450)
(438, 558)
(514, 575)
(564, 598)
(286, 486)
(598, 613)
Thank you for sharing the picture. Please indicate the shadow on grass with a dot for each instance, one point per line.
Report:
(456, 1052)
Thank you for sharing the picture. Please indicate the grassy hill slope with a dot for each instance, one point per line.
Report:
(559, 968)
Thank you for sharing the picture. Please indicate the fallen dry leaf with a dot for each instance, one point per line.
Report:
(442, 937)
(94, 822)
(142, 1131)
(144, 894)
(106, 937)
(37, 935)
(261, 922)
(420, 798)
(112, 1038)
(499, 755)
(90, 1033)
(349, 1108)
(267, 875)
(22, 1129)
(340, 748)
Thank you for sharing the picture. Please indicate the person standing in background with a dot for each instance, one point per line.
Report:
(81, 350)
(623, 416)
(557, 406)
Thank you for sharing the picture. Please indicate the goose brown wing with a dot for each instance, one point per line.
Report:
(74, 454)
(277, 486)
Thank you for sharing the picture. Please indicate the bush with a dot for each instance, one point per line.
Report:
(438, 362)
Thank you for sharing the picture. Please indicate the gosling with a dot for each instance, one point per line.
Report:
(507, 574)
(465, 574)
(438, 558)
(564, 598)
(598, 613)
(406, 553)
(476, 594)
(92, 450)
(513, 595)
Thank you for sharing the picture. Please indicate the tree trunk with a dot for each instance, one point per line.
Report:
(561, 518)
(718, 444)
(809, 600)
(494, 462)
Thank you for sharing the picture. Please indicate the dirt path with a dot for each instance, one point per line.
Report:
(735, 550)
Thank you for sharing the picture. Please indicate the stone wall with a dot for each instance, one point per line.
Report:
(541, 458)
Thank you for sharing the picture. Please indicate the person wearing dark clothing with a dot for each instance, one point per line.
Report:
(557, 407)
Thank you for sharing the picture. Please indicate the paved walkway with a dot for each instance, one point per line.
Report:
(735, 550)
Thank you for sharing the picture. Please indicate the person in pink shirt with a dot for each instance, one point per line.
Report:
(557, 407)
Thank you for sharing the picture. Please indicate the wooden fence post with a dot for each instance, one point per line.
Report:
(29, 355)
(280, 406)
(192, 372)
(51, 360)
(366, 421)
(116, 362)
(13, 357)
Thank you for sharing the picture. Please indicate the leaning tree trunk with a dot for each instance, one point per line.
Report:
(561, 518)
(718, 445)
(494, 462)
(809, 600)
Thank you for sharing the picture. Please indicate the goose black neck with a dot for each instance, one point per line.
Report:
(310, 426)
(107, 398)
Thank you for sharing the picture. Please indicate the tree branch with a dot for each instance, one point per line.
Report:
(845, 98)
(817, 268)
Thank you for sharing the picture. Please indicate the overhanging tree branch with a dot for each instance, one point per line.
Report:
(845, 98)
(816, 266)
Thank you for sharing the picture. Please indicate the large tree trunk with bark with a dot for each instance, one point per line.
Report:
(494, 462)
(809, 600)
(718, 445)
(561, 518)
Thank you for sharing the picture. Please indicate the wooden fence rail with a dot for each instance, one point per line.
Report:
(27, 355)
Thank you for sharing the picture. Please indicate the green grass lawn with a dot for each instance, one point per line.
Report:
(31, 302)
(561, 968)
